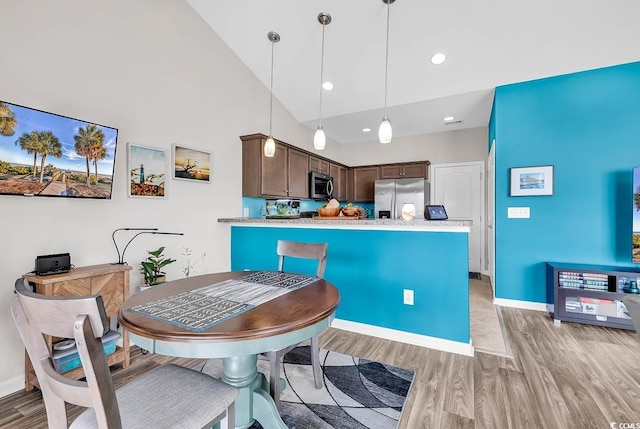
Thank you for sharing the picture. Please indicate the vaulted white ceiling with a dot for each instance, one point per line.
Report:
(487, 44)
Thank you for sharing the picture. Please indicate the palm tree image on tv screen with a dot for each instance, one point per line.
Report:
(46, 154)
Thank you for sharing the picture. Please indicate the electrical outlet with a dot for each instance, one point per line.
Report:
(408, 296)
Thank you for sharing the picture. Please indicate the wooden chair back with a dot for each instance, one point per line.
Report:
(83, 319)
(632, 302)
(317, 251)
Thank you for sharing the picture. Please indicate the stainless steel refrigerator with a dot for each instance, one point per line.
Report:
(392, 194)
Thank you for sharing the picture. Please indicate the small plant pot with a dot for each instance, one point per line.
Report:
(160, 279)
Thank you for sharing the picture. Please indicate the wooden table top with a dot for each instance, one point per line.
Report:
(292, 311)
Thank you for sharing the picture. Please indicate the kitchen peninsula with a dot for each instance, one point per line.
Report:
(403, 280)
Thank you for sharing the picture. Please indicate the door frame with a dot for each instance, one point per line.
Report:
(483, 205)
(491, 216)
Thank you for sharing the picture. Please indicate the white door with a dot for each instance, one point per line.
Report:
(460, 188)
(491, 202)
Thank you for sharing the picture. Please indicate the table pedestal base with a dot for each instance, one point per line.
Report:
(253, 401)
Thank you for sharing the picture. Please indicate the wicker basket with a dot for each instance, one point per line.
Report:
(350, 210)
(325, 211)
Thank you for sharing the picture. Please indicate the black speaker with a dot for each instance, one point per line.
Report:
(435, 213)
(53, 264)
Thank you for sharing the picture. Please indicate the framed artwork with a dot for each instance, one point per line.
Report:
(191, 164)
(147, 171)
(531, 181)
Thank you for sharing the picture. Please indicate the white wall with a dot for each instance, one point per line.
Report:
(439, 148)
(154, 70)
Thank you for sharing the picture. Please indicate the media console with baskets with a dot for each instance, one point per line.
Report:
(591, 294)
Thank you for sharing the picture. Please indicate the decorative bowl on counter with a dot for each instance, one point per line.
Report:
(328, 211)
(350, 211)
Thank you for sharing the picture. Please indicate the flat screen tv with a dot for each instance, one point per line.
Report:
(50, 155)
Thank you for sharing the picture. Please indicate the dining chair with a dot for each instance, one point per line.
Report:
(632, 303)
(169, 396)
(294, 249)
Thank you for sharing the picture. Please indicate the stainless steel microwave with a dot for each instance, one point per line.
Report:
(320, 186)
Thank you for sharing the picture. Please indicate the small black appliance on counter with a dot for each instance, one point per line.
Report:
(435, 212)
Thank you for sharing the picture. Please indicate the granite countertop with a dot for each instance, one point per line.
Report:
(351, 222)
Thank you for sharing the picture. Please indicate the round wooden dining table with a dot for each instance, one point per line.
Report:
(274, 325)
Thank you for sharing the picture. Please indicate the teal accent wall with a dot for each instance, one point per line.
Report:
(255, 205)
(371, 268)
(587, 125)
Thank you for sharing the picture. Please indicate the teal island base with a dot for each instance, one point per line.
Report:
(372, 266)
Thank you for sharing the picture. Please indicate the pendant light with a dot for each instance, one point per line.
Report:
(270, 144)
(319, 139)
(385, 132)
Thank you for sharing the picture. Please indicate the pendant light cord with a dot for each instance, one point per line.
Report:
(386, 59)
(321, 76)
(271, 99)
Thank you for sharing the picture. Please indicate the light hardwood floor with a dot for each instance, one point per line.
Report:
(561, 376)
(487, 329)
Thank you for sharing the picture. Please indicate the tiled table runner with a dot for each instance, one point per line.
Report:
(202, 308)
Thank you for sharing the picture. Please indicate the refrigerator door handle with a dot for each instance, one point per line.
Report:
(394, 209)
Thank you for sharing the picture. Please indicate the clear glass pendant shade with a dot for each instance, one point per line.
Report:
(385, 132)
(269, 147)
(319, 139)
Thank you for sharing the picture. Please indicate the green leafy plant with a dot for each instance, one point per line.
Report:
(152, 267)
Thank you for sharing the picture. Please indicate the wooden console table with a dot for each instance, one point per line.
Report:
(109, 280)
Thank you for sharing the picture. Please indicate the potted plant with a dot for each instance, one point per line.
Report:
(152, 267)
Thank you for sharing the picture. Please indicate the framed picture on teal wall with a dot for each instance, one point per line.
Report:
(531, 181)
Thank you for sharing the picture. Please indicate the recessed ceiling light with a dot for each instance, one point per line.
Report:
(328, 86)
(438, 58)
(366, 130)
(449, 118)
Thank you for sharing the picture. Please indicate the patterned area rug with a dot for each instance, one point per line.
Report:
(357, 393)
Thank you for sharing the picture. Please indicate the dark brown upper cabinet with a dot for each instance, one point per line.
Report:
(283, 175)
(405, 170)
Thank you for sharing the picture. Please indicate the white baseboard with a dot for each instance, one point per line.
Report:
(12, 385)
(405, 337)
(526, 305)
